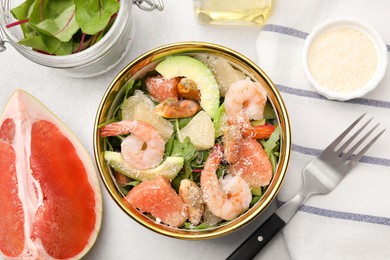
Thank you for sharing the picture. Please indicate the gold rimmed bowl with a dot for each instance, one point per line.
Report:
(137, 69)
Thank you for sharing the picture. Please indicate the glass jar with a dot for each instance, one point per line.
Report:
(93, 61)
(232, 12)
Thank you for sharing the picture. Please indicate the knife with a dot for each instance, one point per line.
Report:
(264, 234)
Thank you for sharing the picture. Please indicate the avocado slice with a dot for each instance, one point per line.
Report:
(185, 66)
(169, 168)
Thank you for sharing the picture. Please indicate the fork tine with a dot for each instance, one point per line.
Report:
(349, 153)
(342, 148)
(331, 146)
(357, 157)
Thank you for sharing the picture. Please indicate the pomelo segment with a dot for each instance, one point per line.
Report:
(253, 164)
(161, 88)
(140, 107)
(52, 194)
(200, 130)
(158, 198)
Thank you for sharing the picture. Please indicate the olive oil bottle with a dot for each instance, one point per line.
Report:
(232, 12)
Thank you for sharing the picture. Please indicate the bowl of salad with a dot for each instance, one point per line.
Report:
(192, 140)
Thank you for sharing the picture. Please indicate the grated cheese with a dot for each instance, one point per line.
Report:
(342, 58)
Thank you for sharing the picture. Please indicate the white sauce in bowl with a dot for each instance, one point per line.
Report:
(342, 58)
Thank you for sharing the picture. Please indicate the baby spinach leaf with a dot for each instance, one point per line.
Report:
(21, 11)
(40, 11)
(62, 27)
(47, 44)
(34, 42)
(65, 48)
(55, 46)
(53, 27)
(93, 16)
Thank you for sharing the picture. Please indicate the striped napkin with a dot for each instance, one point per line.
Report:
(353, 221)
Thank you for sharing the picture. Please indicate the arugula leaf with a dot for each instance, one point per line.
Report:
(130, 87)
(269, 112)
(169, 147)
(255, 199)
(185, 149)
(182, 122)
(189, 225)
(93, 16)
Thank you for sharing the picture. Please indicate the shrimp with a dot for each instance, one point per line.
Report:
(191, 195)
(175, 108)
(231, 139)
(143, 149)
(226, 198)
(247, 158)
(244, 101)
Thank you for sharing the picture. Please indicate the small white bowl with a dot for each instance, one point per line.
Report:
(381, 51)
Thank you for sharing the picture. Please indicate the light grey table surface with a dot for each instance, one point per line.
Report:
(75, 101)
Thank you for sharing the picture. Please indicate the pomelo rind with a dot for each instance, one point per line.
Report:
(23, 107)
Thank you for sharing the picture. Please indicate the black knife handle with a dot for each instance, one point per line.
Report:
(258, 239)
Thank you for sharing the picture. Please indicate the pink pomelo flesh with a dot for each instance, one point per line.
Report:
(51, 200)
(11, 217)
(158, 198)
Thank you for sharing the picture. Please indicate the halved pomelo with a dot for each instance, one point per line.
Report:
(50, 199)
(158, 198)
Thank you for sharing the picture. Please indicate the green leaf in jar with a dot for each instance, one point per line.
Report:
(55, 46)
(63, 26)
(93, 16)
(21, 11)
(34, 42)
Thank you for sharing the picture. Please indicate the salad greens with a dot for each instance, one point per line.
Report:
(62, 27)
(194, 160)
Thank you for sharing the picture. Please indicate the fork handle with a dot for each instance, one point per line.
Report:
(258, 239)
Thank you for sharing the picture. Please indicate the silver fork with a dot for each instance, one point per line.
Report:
(320, 176)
